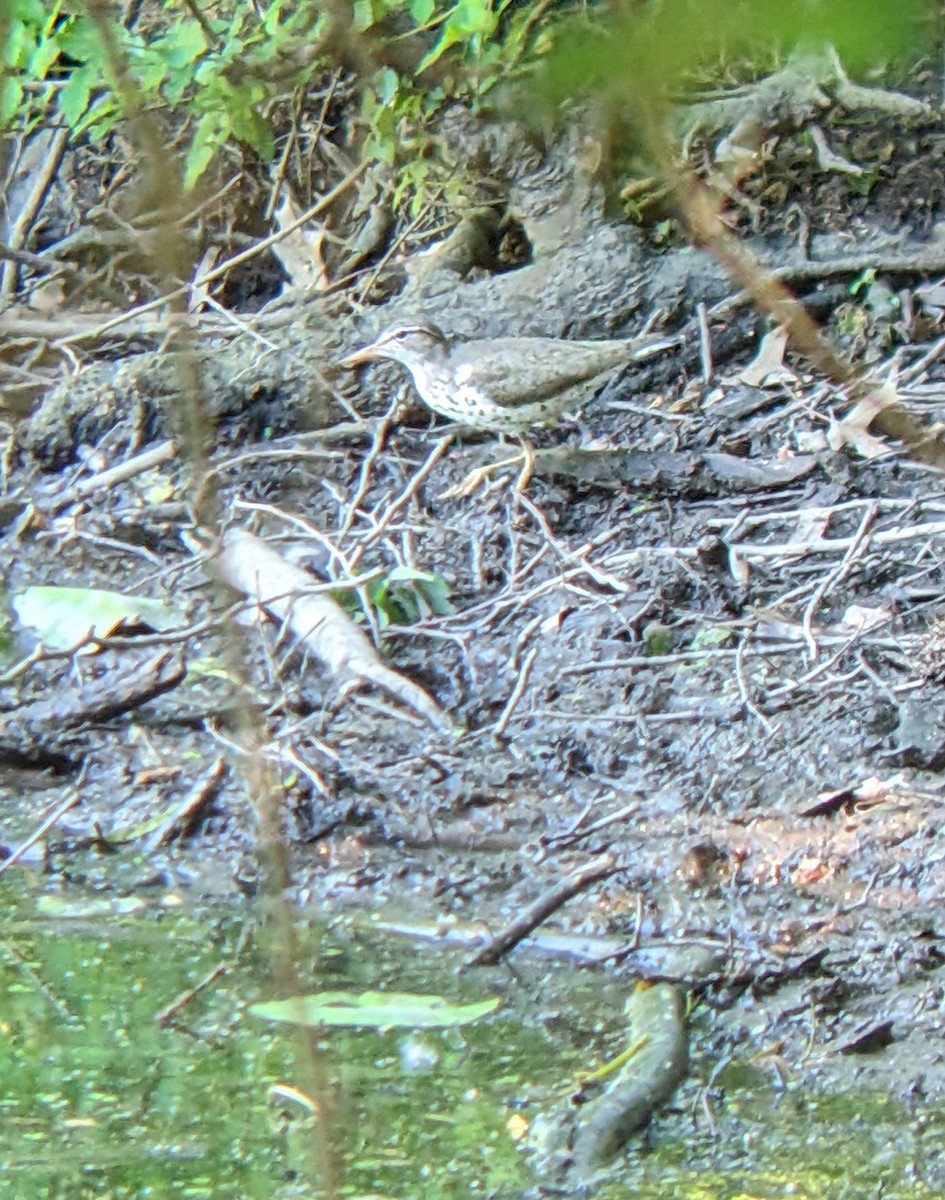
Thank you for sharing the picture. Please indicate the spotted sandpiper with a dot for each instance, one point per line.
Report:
(503, 385)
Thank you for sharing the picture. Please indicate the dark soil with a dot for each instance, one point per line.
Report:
(702, 641)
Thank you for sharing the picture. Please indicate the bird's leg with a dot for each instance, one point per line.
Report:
(528, 464)
(477, 477)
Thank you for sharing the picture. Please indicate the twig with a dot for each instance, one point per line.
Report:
(182, 813)
(413, 486)
(517, 692)
(541, 910)
(705, 342)
(227, 265)
(744, 688)
(190, 994)
(102, 480)
(43, 177)
(378, 442)
(52, 816)
(834, 577)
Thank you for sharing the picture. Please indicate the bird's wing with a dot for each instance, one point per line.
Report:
(502, 366)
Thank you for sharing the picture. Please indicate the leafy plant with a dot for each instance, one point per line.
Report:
(403, 596)
(217, 67)
(224, 67)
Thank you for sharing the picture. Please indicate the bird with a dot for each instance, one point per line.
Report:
(507, 384)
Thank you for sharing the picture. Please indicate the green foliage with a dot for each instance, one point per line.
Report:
(63, 617)
(225, 69)
(641, 55)
(658, 638)
(218, 69)
(405, 595)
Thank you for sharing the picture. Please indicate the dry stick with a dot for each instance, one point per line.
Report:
(768, 650)
(705, 342)
(928, 260)
(820, 669)
(395, 246)
(576, 558)
(541, 910)
(813, 545)
(313, 776)
(578, 832)
(413, 486)
(244, 327)
(262, 787)
(745, 689)
(378, 442)
(281, 168)
(811, 512)
(934, 352)
(162, 452)
(31, 207)
(218, 272)
(182, 813)
(834, 577)
(191, 993)
(875, 402)
(313, 140)
(820, 545)
(517, 692)
(248, 564)
(52, 816)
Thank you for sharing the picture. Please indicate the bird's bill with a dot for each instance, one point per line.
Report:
(367, 354)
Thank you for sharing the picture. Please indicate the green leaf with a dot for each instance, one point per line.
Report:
(73, 97)
(255, 130)
(363, 15)
(429, 584)
(83, 908)
(421, 10)
(711, 637)
(658, 638)
(271, 20)
(104, 120)
(52, 19)
(101, 116)
(152, 71)
(383, 1010)
(211, 132)
(32, 12)
(80, 40)
(21, 46)
(182, 45)
(63, 616)
(386, 82)
(11, 98)
(863, 282)
(448, 38)
(44, 56)
(438, 595)
(471, 17)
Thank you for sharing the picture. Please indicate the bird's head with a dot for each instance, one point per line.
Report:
(416, 344)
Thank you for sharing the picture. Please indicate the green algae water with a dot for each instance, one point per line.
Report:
(100, 1099)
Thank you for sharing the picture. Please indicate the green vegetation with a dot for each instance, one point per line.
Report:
(225, 70)
(405, 595)
(234, 73)
(641, 55)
